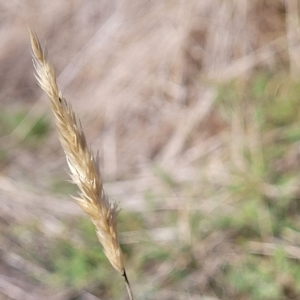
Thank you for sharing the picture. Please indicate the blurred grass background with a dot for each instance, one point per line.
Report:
(194, 107)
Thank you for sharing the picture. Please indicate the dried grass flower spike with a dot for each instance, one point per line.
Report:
(83, 165)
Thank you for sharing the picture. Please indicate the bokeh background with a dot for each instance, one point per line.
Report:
(194, 108)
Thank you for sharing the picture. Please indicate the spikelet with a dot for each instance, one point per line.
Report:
(84, 167)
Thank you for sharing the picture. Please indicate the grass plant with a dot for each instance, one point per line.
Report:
(83, 165)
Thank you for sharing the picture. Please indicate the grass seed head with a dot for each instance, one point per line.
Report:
(84, 167)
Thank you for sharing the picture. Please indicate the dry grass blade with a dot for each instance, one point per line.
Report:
(84, 167)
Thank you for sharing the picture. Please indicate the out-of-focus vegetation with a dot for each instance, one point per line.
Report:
(194, 107)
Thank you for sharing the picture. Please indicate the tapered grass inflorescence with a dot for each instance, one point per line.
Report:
(83, 165)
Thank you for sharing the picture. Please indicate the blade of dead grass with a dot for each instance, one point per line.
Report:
(83, 165)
